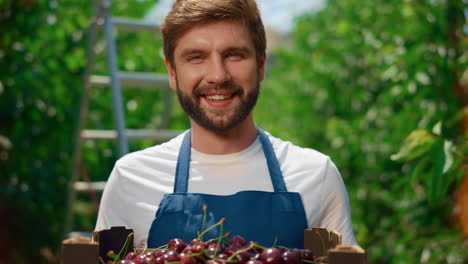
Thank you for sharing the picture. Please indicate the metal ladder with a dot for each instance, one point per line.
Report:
(117, 80)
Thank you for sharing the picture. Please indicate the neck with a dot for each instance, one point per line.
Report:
(220, 143)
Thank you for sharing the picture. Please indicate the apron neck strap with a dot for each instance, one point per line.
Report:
(183, 164)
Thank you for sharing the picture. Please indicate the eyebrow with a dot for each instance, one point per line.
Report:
(241, 49)
(189, 51)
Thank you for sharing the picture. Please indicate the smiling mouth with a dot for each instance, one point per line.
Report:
(218, 97)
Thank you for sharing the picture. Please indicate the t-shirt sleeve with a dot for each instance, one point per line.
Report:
(110, 208)
(335, 208)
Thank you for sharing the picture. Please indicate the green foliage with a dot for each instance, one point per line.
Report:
(42, 58)
(359, 78)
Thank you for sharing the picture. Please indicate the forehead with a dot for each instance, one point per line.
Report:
(215, 35)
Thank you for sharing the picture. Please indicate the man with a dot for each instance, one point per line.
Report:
(266, 188)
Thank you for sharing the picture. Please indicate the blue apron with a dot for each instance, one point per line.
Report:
(256, 215)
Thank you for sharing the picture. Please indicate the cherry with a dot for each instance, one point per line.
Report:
(161, 252)
(238, 240)
(222, 256)
(291, 257)
(148, 260)
(171, 256)
(159, 260)
(198, 248)
(242, 257)
(177, 245)
(231, 249)
(254, 262)
(212, 261)
(138, 259)
(214, 244)
(211, 252)
(195, 241)
(271, 256)
(307, 254)
(130, 256)
(185, 258)
(125, 261)
(255, 256)
(150, 254)
(255, 249)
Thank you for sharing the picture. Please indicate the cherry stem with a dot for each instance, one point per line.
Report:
(276, 240)
(144, 248)
(251, 245)
(283, 247)
(124, 248)
(162, 247)
(203, 221)
(220, 222)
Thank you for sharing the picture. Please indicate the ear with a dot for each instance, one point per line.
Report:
(261, 67)
(172, 74)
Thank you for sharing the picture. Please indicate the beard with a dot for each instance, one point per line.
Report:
(218, 120)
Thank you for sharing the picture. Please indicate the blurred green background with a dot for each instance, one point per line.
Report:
(380, 86)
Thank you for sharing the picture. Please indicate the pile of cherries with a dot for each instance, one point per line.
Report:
(217, 251)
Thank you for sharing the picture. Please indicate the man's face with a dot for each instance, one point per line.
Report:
(216, 74)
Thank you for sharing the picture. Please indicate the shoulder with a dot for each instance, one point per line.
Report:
(164, 152)
(301, 157)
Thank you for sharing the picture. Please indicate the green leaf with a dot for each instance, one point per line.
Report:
(437, 129)
(415, 144)
(448, 146)
(437, 184)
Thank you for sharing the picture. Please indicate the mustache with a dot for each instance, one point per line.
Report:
(226, 86)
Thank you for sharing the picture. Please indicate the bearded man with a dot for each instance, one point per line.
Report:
(267, 189)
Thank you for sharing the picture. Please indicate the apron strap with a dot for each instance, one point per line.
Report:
(183, 164)
(272, 162)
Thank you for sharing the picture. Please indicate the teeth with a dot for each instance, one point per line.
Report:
(218, 97)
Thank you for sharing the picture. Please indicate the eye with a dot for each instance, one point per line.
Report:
(194, 58)
(235, 55)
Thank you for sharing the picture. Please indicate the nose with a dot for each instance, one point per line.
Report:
(217, 72)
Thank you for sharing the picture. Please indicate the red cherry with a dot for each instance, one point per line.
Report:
(125, 261)
(291, 257)
(177, 245)
(161, 252)
(306, 254)
(238, 240)
(255, 249)
(198, 248)
(195, 241)
(138, 259)
(171, 256)
(211, 252)
(212, 261)
(254, 262)
(271, 256)
(242, 257)
(222, 256)
(130, 256)
(185, 258)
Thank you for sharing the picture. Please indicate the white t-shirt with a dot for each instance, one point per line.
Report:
(140, 179)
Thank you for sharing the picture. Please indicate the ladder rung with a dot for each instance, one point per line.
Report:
(131, 134)
(134, 79)
(89, 186)
(134, 25)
